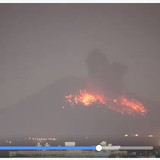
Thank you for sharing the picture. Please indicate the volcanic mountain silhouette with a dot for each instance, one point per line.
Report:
(47, 112)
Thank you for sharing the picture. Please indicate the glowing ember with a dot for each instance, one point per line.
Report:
(86, 98)
(119, 104)
(126, 105)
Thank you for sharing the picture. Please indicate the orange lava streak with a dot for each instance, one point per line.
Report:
(133, 105)
(126, 105)
(120, 104)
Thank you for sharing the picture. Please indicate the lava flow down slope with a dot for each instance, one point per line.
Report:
(122, 104)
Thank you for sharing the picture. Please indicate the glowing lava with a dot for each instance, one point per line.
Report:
(85, 98)
(121, 104)
(126, 105)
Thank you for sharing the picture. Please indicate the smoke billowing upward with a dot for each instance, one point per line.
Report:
(103, 75)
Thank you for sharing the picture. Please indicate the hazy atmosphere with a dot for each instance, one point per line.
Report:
(48, 51)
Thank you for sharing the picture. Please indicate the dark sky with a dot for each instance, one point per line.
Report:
(41, 43)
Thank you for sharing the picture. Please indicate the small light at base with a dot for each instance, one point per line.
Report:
(150, 136)
(136, 135)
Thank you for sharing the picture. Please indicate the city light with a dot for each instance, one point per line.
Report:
(42, 139)
(150, 135)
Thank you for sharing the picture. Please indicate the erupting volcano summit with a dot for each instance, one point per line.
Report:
(120, 104)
